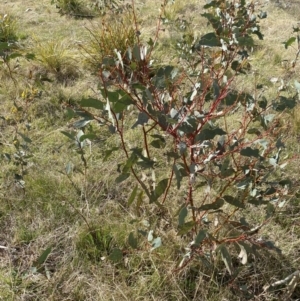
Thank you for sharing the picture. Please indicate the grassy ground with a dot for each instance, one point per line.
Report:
(83, 215)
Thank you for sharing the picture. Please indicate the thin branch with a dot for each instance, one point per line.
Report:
(170, 182)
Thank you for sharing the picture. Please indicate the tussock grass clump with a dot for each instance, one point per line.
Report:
(114, 33)
(55, 58)
(95, 243)
(8, 28)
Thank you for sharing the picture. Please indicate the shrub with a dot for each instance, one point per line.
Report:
(208, 152)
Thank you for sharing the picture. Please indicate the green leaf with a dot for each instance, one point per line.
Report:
(125, 98)
(246, 41)
(70, 113)
(116, 255)
(226, 258)
(132, 241)
(121, 104)
(109, 152)
(202, 234)
(139, 200)
(132, 196)
(173, 155)
(285, 182)
(254, 131)
(91, 103)
(270, 209)
(130, 162)
(122, 177)
(144, 162)
(182, 215)
(4, 46)
(159, 142)
(13, 56)
(209, 39)
(249, 152)
(284, 103)
(217, 204)
(208, 134)
(71, 135)
(230, 98)
(289, 42)
(233, 201)
(263, 103)
(235, 65)
(216, 89)
(185, 228)
(112, 96)
(87, 136)
(178, 175)
(42, 258)
(136, 52)
(226, 170)
(30, 56)
(159, 190)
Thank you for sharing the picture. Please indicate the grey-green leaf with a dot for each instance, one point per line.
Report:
(249, 152)
(81, 123)
(182, 215)
(71, 135)
(116, 255)
(91, 103)
(142, 119)
(159, 190)
(233, 201)
(122, 177)
(132, 241)
(185, 228)
(217, 204)
(209, 39)
(132, 196)
(156, 243)
(289, 42)
(226, 258)
(208, 134)
(200, 237)
(43, 257)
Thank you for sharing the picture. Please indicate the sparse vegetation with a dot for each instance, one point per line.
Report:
(77, 224)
